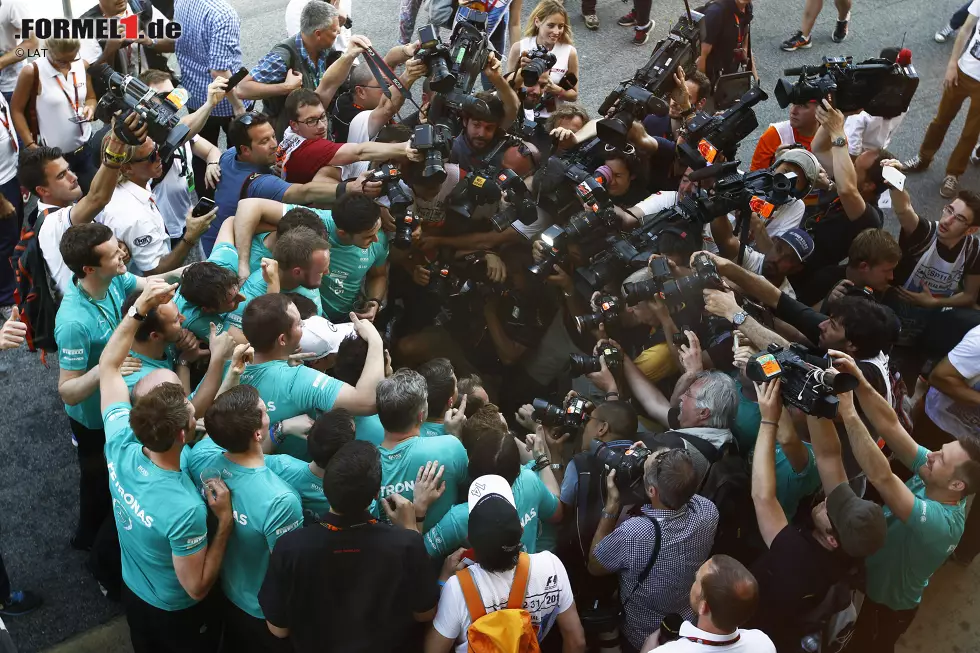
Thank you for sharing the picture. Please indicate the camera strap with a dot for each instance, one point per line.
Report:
(657, 541)
(383, 73)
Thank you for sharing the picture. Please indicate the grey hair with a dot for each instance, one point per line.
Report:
(317, 15)
(677, 479)
(361, 76)
(401, 398)
(719, 394)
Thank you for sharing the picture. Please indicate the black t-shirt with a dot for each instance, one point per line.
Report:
(794, 576)
(342, 111)
(351, 590)
(833, 233)
(726, 30)
(819, 284)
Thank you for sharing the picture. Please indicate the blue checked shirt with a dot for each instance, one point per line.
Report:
(688, 535)
(209, 40)
(271, 69)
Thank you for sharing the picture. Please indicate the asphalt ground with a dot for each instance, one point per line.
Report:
(38, 472)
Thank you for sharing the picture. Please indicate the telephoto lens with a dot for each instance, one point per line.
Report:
(546, 412)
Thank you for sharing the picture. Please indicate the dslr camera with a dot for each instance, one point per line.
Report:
(127, 94)
(628, 463)
(809, 382)
(610, 309)
(572, 415)
(435, 141)
(675, 293)
(399, 202)
(581, 364)
(520, 205)
(880, 87)
(540, 61)
(404, 228)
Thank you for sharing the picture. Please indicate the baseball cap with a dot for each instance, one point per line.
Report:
(800, 241)
(804, 160)
(860, 524)
(322, 337)
(494, 523)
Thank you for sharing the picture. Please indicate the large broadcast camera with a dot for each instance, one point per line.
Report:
(126, 94)
(649, 89)
(720, 134)
(436, 142)
(454, 69)
(809, 382)
(880, 87)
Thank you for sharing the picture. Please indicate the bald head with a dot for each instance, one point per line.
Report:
(152, 380)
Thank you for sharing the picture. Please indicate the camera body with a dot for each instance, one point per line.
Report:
(610, 309)
(628, 463)
(880, 87)
(557, 180)
(809, 382)
(436, 142)
(541, 60)
(521, 206)
(404, 228)
(648, 91)
(437, 57)
(454, 69)
(677, 294)
(556, 249)
(572, 415)
(477, 188)
(581, 364)
(127, 94)
(399, 202)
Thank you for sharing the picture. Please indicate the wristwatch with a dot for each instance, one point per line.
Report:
(840, 141)
(133, 313)
(739, 318)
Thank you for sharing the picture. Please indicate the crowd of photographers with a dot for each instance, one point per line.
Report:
(425, 345)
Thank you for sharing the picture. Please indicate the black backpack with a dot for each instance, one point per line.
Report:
(34, 293)
(729, 487)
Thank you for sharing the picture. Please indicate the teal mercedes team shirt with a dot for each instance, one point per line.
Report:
(297, 475)
(534, 504)
(401, 464)
(369, 429)
(900, 571)
(432, 429)
(264, 508)
(83, 326)
(349, 264)
(159, 514)
(168, 362)
(259, 248)
(195, 319)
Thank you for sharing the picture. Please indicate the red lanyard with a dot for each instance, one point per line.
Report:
(6, 123)
(741, 34)
(74, 105)
(711, 642)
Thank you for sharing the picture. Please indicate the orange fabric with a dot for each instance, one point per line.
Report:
(765, 151)
(474, 602)
(519, 588)
(508, 630)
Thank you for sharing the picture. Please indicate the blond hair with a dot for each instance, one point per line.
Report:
(547, 8)
(63, 46)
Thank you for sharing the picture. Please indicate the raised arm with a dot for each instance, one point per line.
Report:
(872, 460)
(508, 96)
(768, 512)
(216, 93)
(653, 401)
(879, 412)
(902, 203)
(752, 284)
(362, 399)
(335, 76)
(845, 177)
(319, 193)
(827, 452)
(104, 183)
(723, 304)
(253, 215)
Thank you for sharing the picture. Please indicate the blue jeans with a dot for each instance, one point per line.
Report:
(959, 18)
(9, 236)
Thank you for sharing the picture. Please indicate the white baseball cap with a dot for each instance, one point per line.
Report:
(487, 485)
(322, 337)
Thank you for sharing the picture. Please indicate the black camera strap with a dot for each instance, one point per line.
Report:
(657, 541)
(384, 74)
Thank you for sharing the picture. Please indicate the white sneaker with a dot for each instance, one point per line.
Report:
(944, 34)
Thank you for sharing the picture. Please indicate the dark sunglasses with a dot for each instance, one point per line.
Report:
(151, 157)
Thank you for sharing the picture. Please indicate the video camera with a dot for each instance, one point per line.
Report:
(572, 415)
(556, 181)
(712, 135)
(880, 87)
(126, 94)
(454, 69)
(435, 141)
(648, 91)
(809, 382)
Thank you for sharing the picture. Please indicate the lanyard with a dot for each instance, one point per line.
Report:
(711, 642)
(337, 529)
(6, 124)
(741, 34)
(74, 105)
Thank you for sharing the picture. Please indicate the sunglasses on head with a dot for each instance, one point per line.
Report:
(248, 118)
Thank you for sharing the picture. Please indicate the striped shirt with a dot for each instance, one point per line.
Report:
(209, 40)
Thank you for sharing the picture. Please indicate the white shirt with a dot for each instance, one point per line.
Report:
(55, 225)
(57, 107)
(955, 418)
(667, 198)
(133, 216)
(969, 62)
(358, 133)
(173, 193)
(753, 263)
(562, 52)
(294, 10)
(133, 57)
(548, 594)
(785, 217)
(12, 15)
(8, 143)
(290, 141)
(749, 641)
(866, 132)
